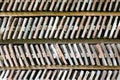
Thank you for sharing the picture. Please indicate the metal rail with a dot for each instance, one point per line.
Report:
(25, 14)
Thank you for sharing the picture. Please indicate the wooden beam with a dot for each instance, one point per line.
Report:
(27, 14)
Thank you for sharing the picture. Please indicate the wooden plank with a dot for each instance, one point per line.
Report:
(59, 27)
(80, 27)
(23, 56)
(36, 5)
(86, 27)
(20, 5)
(97, 75)
(54, 74)
(105, 6)
(31, 5)
(28, 53)
(73, 5)
(15, 5)
(2, 29)
(95, 54)
(17, 28)
(86, 75)
(34, 54)
(64, 67)
(92, 75)
(89, 5)
(2, 74)
(81, 75)
(25, 5)
(6, 75)
(4, 57)
(11, 28)
(60, 53)
(69, 74)
(22, 29)
(18, 56)
(41, 5)
(75, 28)
(69, 28)
(11, 74)
(116, 53)
(90, 54)
(111, 4)
(100, 5)
(52, 5)
(49, 27)
(64, 28)
(72, 54)
(102, 27)
(43, 28)
(39, 53)
(12, 54)
(38, 75)
(114, 74)
(109, 75)
(55, 54)
(22, 73)
(48, 75)
(104, 73)
(67, 54)
(44, 54)
(38, 27)
(94, 4)
(101, 55)
(43, 74)
(68, 5)
(116, 5)
(64, 75)
(32, 74)
(78, 5)
(49, 53)
(62, 5)
(84, 54)
(7, 27)
(97, 27)
(108, 27)
(57, 5)
(59, 75)
(54, 27)
(106, 54)
(17, 74)
(113, 27)
(92, 27)
(112, 55)
(33, 27)
(10, 5)
(26, 74)
(7, 54)
(27, 28)
(74, 75)
(117, 30)
(84, 4)
(25, 14)
(78, 55)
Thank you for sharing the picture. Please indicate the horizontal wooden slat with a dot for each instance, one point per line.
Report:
(23, 14)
